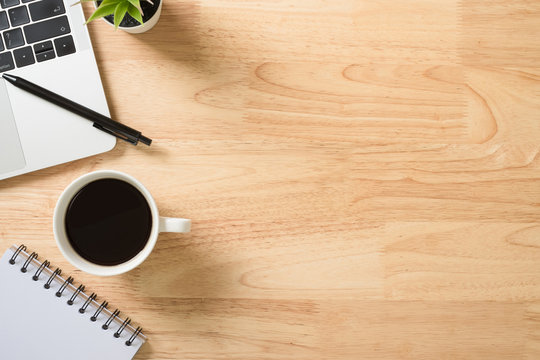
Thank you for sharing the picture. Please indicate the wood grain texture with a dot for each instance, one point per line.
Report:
(363, 179)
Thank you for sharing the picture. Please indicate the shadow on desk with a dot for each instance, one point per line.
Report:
(181, 267)
(171, 288)
(178, 36)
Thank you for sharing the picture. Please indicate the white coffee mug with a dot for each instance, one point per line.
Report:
(159, 224)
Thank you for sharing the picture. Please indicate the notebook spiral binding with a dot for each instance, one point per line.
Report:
(66, 283)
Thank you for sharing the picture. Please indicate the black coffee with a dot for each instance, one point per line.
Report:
(108, 222)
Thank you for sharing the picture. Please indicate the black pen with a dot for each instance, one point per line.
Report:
(100, 121)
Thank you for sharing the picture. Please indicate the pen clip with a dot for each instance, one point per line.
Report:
(125, 138)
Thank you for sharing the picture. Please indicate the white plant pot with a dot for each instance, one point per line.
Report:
(143, 27)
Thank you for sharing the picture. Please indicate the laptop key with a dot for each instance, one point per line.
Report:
(1, 45)
(18, 16)
(8, 3)
(46, 29)
(6, 62)
(4, 24)
(13, 38)
(64, 45)
(43, 46)
(24, 56)
(27, 1)
(45, 55)
(45, 9)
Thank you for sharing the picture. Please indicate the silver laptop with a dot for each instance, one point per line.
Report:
(47, 43)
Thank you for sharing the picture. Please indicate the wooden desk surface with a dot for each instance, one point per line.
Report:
(363, 179)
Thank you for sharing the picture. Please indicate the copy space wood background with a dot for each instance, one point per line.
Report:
(363, 179)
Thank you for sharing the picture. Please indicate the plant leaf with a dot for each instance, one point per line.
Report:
(134, 12)
(102, 11)
(137, 5)
(120, 12)
(109, 2)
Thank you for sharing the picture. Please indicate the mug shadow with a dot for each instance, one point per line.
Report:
(173, 284)
(180, 266)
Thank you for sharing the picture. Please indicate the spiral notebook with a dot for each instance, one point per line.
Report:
(43, 315)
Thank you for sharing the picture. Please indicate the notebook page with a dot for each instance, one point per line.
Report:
(36, 324)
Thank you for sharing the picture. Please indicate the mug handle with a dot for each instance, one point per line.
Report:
(177, 225)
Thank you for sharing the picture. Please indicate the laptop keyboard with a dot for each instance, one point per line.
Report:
(32, 32)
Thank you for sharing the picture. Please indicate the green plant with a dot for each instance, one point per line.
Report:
(118, 8)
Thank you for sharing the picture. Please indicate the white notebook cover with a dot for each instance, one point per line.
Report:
(36, 324)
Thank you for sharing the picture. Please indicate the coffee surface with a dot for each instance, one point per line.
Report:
(108, 222)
